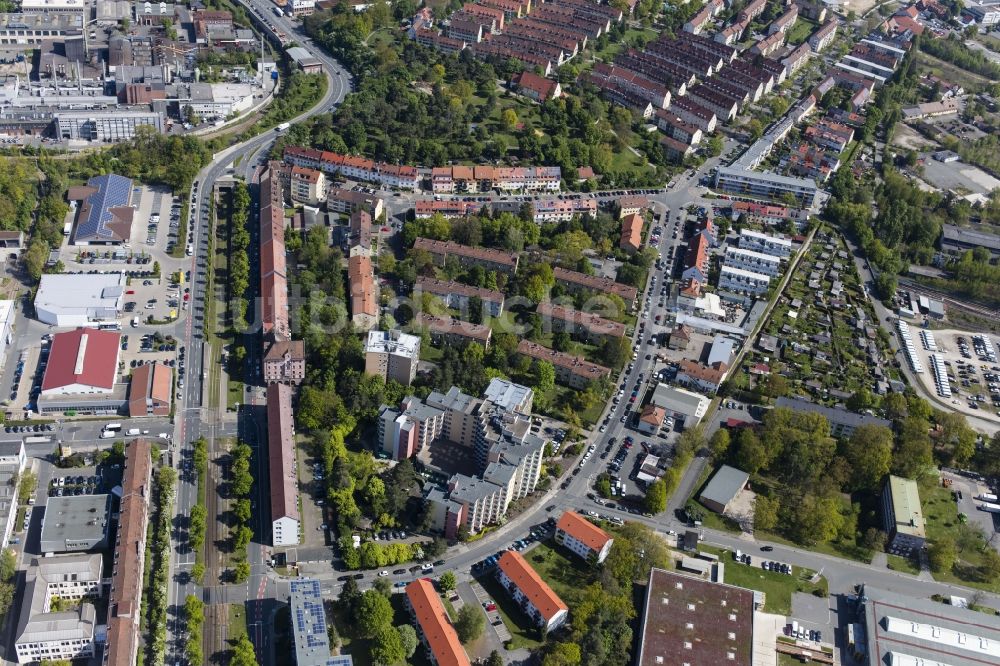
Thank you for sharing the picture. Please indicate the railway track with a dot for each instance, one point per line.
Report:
(977, 309)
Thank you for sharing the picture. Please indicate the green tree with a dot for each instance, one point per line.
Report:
(243, 652)
(447, 581)
(387, 646)
(469, 623)
(913, 447)
(942, 554)
(408, 639)
(241, 571)
(869, 452)
(563, 654)
(989, 566)
(656, 497)
(8, 564)
(765, 512)
(545, 376)
(719, 445)
(494, 659)
(373, 613)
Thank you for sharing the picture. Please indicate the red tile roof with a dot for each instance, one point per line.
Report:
(130, 549)
(542, 87)
(531, 585)
(631, 231)
(583, 530)
(433, 621)
(85, 356)
(281, 453)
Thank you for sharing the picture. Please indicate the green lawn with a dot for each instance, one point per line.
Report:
(237, 623)
(777, 587)
(904, 564)
(800, 31)
(565, 573)
(941, 516)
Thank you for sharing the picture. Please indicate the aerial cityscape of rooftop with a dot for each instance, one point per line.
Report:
(552, 332)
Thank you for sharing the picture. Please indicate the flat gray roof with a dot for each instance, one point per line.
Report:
(75, 518)
(725, 485)
(900, 627)
(834, 415)
(970, 237)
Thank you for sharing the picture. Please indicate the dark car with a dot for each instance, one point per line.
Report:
(399, 571)
(358, 576)
(439, 563)
(344, 578)
(767, 549)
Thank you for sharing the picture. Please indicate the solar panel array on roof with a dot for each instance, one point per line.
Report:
(312, 645)
(113, 191)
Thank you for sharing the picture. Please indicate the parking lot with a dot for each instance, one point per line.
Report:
(973, 373)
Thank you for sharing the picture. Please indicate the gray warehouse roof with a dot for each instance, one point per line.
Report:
(832, 414)
(969, 237)
(77, 293)
(73, 520)
(725, 485)
(909, 630)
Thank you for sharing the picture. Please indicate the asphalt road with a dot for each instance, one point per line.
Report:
(196, 419)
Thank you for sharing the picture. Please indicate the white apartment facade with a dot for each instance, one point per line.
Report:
(751, 260)
(743, 282)
(392, 355)
(777, 246)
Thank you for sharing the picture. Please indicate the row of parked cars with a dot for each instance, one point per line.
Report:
(42, 427)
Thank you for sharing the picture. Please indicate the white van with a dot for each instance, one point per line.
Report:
(132, 432)
(107, 434)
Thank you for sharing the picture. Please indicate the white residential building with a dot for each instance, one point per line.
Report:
(582, 537)
(743, 282)
(751, 260)
(44, 635)
(392, 355)
(527, 588)
(777, 246)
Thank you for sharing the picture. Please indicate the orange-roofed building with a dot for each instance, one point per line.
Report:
(436, 631)
(528, 589)
(583, 537)
(631, 239)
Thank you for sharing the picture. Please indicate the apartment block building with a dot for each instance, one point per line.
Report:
(392, 355)
(489, 259)
(307, 186)
(561, 210)
(445, 329)
(576, 282)
(778, 246)
(582, 537)
(750, 260)
(902, 516)
(742, 281)
(573, 371)
(434, 628)
(456, 295)
(43, 634)
(125, 602)
(533, 594)
(765, 185)
(408, 430)
(584, 325)
(363, 292)
(823, 35)
(285, 517)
